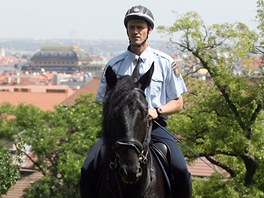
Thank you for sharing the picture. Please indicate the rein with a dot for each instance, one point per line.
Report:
(199, 157)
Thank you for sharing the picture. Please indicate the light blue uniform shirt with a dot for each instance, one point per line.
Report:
(164, 86)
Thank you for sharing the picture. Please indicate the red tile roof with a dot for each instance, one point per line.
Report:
(13, 78)
(45, 101)
(200, 168)
(16, 191)
(8, 60)
(44, 97)
(90, 87)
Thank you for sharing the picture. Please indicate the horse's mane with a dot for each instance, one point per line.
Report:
(122, 95)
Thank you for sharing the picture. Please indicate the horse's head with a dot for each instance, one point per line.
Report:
(126, 125)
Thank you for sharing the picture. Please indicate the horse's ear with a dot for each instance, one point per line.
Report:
(145, 80)
(111, 77)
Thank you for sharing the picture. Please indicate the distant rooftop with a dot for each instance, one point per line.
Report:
(61, 52)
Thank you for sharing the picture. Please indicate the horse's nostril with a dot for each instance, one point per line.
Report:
(122, 171)
(139, 172)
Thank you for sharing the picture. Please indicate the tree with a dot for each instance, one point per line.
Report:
(59, 141)
(224, 118)
(9, 173)
(260, 19)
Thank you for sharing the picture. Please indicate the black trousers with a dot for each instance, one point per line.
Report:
(179, 170)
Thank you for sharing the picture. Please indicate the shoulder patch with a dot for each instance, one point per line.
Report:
(176, 69)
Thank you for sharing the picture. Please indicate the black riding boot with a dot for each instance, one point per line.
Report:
(89, 177)
(87, 181)
(184, 191)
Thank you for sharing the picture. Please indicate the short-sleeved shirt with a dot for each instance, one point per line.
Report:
(165, 84)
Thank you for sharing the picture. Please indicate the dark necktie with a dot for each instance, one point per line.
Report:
(135, 73)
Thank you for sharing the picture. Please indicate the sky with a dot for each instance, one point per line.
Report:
(103, 19)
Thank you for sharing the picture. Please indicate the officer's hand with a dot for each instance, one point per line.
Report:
(152, 114)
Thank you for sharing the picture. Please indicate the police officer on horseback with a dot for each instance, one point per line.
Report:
(164, 95)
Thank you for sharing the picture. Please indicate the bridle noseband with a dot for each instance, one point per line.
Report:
(141, 148)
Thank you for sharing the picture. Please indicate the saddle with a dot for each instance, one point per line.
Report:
(161, 153)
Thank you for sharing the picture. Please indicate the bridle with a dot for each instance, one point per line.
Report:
(141, 148)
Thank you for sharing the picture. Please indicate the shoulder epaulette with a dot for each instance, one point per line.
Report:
(116, 59)
(163, 54)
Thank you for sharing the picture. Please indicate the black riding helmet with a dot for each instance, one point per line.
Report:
(140, 12)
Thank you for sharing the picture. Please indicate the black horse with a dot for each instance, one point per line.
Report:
(127, 167)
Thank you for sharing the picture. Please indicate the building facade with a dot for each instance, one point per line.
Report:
(59, 59)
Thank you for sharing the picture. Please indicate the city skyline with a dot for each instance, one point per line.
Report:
(90, 19)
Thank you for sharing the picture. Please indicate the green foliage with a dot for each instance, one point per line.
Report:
(61, 144)
(213, 43)
(5, 110)
(215, 187)
(60, 141)
(260, 16)
(223, 118)
(9, 173)
(211, 129)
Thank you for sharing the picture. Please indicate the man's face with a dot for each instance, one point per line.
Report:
(137, 31)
